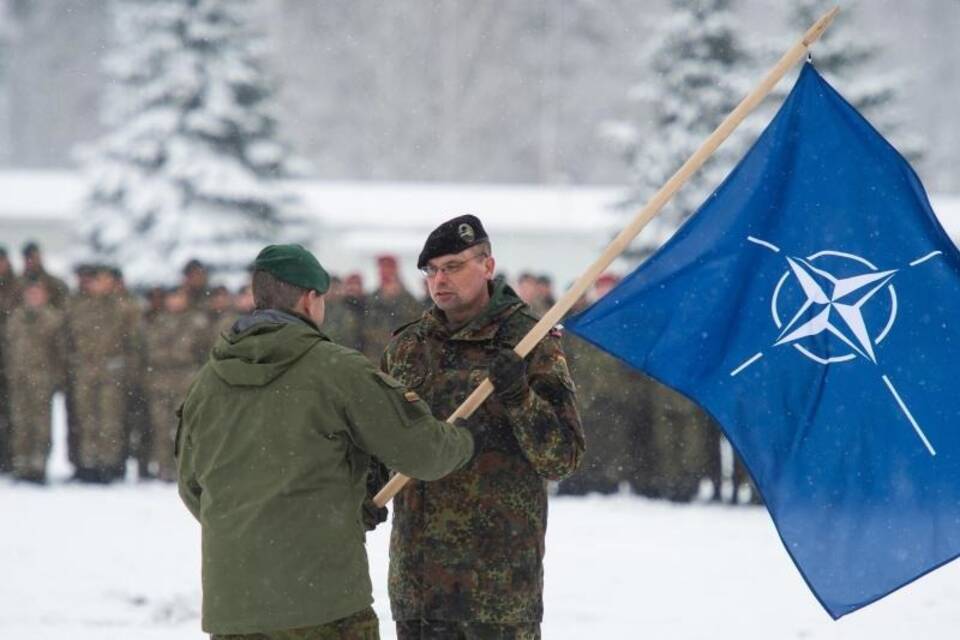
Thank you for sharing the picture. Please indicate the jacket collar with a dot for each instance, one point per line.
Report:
(271, 316)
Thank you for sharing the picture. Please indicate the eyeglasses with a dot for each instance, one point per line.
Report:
(450, 268)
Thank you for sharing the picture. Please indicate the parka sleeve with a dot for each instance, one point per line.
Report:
(546, 423)
(187, 484)
(395, 426)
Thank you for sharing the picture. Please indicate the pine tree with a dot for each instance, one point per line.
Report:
(697, 74)
(847, 58)
(189, 167)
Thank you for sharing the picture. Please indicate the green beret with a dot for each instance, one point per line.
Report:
(293, 264)
(453, 236)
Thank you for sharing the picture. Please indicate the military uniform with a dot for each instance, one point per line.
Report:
(10, 292)
(382, 315)
(274, 447)
(35, 363)
(176, 347)
(344, 322)
(615, 408)
(686, 443)
(57, 289)
(469, 548)
(104, 347)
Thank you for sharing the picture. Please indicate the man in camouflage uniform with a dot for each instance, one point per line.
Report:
(176, 349)
(387, 308)
(9, 299)
(195, 282)
(35, 361)
(104, 347)
(33, 269)
(686, 444)
(466, 552)
(137, 412)
(346, 313)
(613, 407)
(240, 305)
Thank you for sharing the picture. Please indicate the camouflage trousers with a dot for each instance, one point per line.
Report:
(163, 404)
(360, 626)
(99, 404)
(445, 630)
(29, 435)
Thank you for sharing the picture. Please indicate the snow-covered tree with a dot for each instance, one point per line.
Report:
(698, 71)
(848, 58)
(190, 164)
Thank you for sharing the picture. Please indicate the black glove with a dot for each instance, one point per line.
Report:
(508, 373)
(373, 515)
(377, 477)
(478, 430)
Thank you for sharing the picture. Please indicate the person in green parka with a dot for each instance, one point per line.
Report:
(274, 446)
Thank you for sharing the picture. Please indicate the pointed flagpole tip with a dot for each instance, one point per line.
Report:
(814, 33)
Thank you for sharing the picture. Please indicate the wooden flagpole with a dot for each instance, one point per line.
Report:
(640, 220)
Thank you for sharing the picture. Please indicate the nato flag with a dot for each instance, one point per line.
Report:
(812, 306)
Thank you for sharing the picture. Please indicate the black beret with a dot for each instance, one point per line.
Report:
(453, 236)
(3, 251)
(29, 247)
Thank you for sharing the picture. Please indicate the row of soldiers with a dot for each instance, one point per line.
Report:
(125, 364)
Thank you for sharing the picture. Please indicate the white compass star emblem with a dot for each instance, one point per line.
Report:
(845, 300)
(847, 297)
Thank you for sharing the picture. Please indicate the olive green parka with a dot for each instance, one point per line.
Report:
(274, 447)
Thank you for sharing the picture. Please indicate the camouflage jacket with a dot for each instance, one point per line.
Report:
(381, 315)
(469, 547)
(344, 322)
(56, 288)
(176, 347)
(104, 338)
(9, 299)
(36, 348)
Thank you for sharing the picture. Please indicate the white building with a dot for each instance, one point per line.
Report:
(558, 230)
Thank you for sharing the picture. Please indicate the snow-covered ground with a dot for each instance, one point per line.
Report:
(90, 563)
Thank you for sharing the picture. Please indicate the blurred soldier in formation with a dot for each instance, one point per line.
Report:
(137, 411)
(9, 299)
(104, 348)
(240, 305)
(345, 306)
(219, 307)
(141, 432)
(683, 445)
(85, 274)
(177, 345)
(195, 282)
(545, 297)
(33, 269)
(615, 410)
(390, 306)
(155, 297)
(35, 361)
(527, 290)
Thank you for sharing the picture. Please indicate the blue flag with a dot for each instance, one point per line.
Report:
(812, 307)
